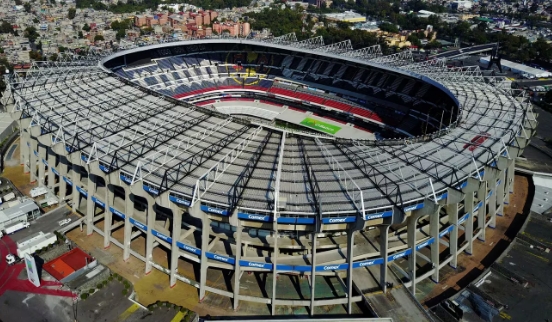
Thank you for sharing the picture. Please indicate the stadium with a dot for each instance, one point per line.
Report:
(274, 162)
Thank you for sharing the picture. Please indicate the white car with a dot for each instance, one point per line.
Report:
(64, 222)
(10, 259)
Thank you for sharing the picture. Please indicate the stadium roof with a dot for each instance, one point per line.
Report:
(195, 154)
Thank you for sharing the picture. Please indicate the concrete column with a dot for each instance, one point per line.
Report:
(434, 225)
(313, 273)
(90, 205)
(384, 253)
(492, 205)
(108, 215)
(150, 219)
(452, 211)
(75, 179)
(129, 212)
(511, 175)
(51, 164)
(481, 213)
(350, 256)
(62, 184)
(237, 270)
(24, 150)
(468, 224)
(411, 223)
(175, 235)
(32, 160)
(205, 228)
(500, 193)
(22, 146)
(41, 165)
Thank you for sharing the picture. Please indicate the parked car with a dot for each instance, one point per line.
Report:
(64, 222)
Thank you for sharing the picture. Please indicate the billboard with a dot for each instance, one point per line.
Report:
(32, 271)
(320, 126)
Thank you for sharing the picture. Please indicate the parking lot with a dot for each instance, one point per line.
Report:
(46, 223)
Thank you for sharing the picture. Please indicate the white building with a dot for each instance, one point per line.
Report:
(24, 211)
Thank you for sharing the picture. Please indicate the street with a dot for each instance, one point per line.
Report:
(45, 223)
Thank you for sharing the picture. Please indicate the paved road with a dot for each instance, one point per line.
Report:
(23, 307)
(45, 223)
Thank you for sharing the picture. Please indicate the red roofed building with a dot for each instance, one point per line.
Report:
(67, 264)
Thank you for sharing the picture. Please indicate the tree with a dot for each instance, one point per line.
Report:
(86, 27)
(543, 50)
(35, 20)
(71, 14)
(4, 65)
(388, 27)
(433, 44)
(31, 33)
(80, 35)
(146, 31)
(99, 38)
(6, 27)
(414, 40)
(35, 55)
(39, 45)
(53, 57)
(27, 7)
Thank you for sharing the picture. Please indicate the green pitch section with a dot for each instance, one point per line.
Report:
(320, 126)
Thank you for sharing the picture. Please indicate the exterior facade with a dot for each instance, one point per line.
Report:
(232, 195)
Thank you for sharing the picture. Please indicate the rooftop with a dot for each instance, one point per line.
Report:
(18, 210)
(68, 263)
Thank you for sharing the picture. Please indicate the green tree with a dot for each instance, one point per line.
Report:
(35, 20)
(53, 57)
(388, 27)
(86, 27)
(80, 35)
(543, 50)
(4, 65)
(27, 7)
(31, 33)
(35, 55)
(433, 44)
(146, 31)
(414, 40)
(6, 27)
(99, 38)
(71, 14)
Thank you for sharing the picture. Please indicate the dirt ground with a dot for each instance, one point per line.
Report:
(469, 267)
(149, 288)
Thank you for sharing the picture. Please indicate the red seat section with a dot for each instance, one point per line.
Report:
(338, 105)
(358, 111)
(366, 113)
